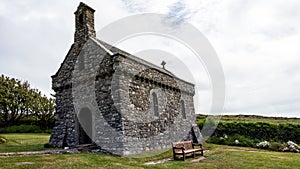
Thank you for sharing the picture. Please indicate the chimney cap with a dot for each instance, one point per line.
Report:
(84, 6)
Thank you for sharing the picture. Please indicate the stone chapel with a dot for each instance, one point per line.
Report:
(116, 100)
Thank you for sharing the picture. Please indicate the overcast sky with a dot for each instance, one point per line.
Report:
(257, 42)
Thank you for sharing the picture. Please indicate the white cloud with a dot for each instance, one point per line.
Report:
(257, 47)
(256, 40)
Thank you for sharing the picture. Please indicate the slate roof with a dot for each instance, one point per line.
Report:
(112, 50)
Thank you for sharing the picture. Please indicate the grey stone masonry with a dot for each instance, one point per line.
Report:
(120, 102)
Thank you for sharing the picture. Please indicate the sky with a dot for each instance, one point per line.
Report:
(257, 43)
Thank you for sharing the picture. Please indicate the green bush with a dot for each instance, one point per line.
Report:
(260, 131)
(240, 140)
(235, 140)
(277, 136)
(216, 140)
(23, 129)
(275, 146)
(49, 131)
(44, 125)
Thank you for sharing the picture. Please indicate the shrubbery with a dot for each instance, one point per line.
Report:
(238, 140)
(235, 140)
(262, 135)
(282, 132)
(275, 146)
(22, 129)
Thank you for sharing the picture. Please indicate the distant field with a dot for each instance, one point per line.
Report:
(218, 156)
(253, 118)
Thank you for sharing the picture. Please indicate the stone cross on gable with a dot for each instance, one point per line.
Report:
(163, 63)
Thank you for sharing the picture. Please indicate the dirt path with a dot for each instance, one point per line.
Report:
(70, 151)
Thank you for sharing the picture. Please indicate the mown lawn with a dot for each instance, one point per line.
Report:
(24, 142)
(218, 156)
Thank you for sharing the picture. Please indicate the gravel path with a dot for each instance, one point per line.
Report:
(70, 151)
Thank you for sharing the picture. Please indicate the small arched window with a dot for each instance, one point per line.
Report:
(155, 104)
(80, 18)
(183, 109)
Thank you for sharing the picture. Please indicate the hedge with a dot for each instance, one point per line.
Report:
(23, 129)
(281, 132)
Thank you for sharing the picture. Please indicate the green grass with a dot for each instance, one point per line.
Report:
(218, 156)
(24, 142)
(252, 118)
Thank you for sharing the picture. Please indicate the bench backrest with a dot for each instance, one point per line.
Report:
(186, 144)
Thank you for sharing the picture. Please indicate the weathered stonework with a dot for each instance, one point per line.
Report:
(124, 104)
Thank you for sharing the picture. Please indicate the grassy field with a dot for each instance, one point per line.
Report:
(253, 118)
(217, 157)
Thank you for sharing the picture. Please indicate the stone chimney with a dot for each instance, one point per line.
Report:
(84, 23)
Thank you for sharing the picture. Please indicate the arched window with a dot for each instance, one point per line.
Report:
(155, 104)
(183, 109)
(81, 18)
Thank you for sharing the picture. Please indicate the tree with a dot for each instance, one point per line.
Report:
(44, 111)
(19, 101)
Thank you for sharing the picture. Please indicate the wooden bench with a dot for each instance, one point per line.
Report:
(186, 148)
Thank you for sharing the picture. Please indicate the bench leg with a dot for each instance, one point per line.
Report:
(183, 156)
(194, 155)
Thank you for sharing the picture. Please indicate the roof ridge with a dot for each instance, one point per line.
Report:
(112, 50)
(102, 46)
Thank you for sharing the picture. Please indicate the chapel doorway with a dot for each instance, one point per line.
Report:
(85, 124)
